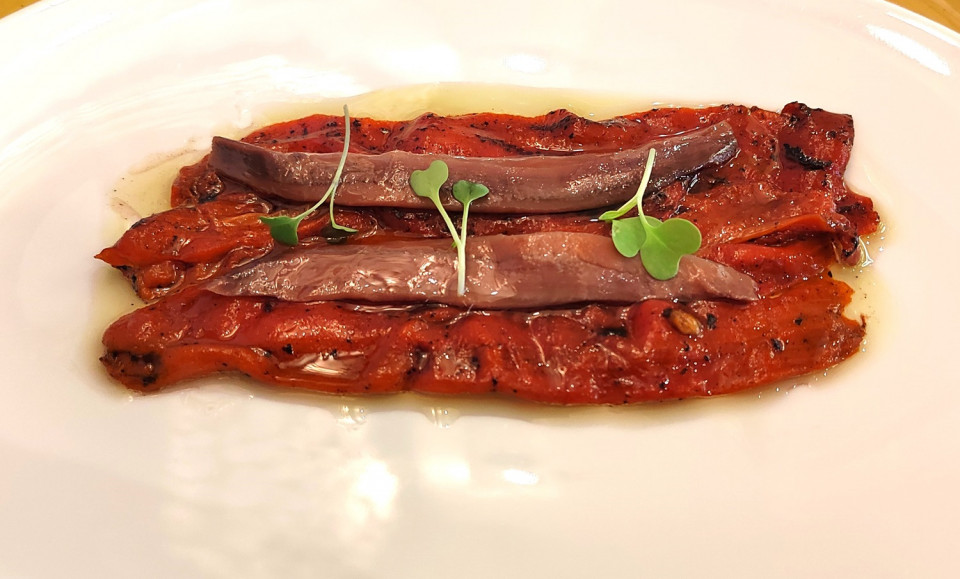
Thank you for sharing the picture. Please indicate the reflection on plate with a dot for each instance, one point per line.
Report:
(848, 475)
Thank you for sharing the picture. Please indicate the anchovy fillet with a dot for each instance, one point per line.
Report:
(503, 271)
(528, 184)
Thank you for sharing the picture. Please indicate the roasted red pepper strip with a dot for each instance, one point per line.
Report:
(594, 355)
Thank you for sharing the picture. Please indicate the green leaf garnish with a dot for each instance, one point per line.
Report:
(629, 235)
(660, 244)
(427, 183)
(284, 228)
(466, 192)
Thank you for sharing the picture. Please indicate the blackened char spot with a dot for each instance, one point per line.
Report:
(613, 331)
(857, 207)
(335, 235)
(502, 144)
(419, 358)
(207, 187)
(562, 124)
(849, 250)
(797, 155)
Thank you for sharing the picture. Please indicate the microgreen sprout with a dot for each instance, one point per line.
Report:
(660, 244)
(465, 192)
(427, 183)
(284, 228)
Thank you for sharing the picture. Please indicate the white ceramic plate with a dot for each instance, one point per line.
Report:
(852, 475)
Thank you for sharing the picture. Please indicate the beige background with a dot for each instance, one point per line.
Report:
(946, 12)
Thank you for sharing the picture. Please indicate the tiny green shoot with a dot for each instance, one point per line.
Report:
(427, 183)
(466, 192)
(284, 228)
(660, 244)
(635, 200)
